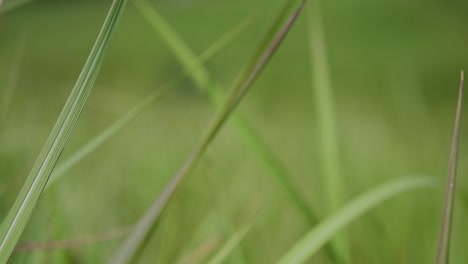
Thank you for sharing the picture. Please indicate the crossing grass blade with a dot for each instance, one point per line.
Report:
(190, 68)
(313, 240)
(12, 81)
(12, 5)
(223, 253)
(327, 140)
(443, 249)
(206, 84)
(136, 241)
(18, 216)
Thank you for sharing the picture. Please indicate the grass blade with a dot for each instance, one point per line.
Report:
(12, 5)
(205, 83)
(12, 82)
(326, 122)
(313, 240)
(443, 248)
(234, 241)
(137, 239)
(113, 129)
(19, 214)
(73, 242)
(202, 252)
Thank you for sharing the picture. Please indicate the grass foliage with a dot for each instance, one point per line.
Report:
(324, 151)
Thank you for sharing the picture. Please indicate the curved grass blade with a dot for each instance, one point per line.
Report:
(105, 135)
(12, 82)
(137, 239)
(326, 122)
(443, 249)
(206, 83)
(313, 240)
(19, 214)
(234, 241)
(12, 5)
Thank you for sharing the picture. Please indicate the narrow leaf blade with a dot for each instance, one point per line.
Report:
(443, 249)
(19, 214)
(313, 240)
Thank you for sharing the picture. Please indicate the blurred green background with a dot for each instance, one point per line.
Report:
(394, 68)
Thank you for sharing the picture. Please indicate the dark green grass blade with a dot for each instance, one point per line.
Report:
(113, 129)
(313, 240)
(8, 91)
(204, 81)
(12, 5)
(137, 239)
(18, 216)
(443, 249)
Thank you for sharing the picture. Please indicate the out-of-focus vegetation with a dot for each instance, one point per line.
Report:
(394, 69)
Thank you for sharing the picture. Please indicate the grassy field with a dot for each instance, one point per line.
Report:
(359, 94)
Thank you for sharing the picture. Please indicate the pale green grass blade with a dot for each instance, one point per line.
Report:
(12, 5)
(105, 135)
(313, 240)
(205, 82)
(443, 250)
(137, 239)
(18, 216)
(202, 252)
(72, 242)
(8, 91)
(224, 252)
(327, 140)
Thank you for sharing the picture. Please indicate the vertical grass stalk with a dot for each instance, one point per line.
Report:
(12, 81)
(443, 250)
(329, 158)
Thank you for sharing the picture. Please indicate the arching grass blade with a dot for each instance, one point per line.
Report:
(313, 240)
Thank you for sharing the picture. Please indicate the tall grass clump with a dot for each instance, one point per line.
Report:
(134, 244)
(137, 184)
(208, 85)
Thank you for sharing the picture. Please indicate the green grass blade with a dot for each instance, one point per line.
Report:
(12, 5)
(137, 239)
(224, 252)
(12, 81)
(443, 250)
(313, 240)
(204, 81)
(113, 129)
(18, 216)
(329, 158)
